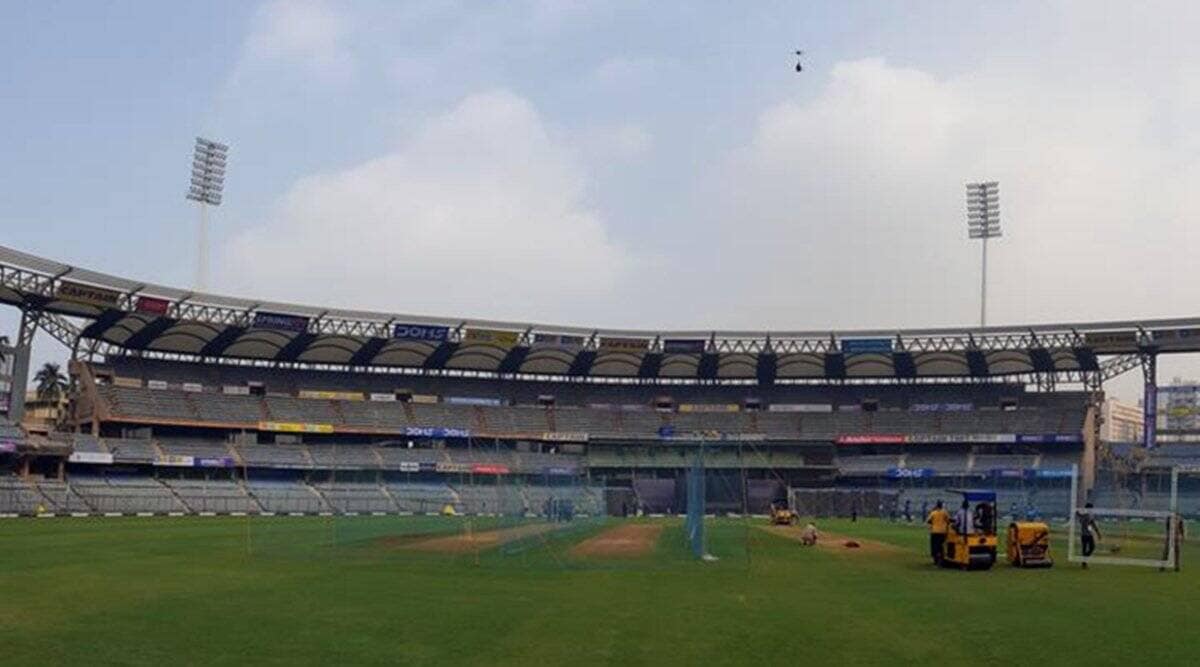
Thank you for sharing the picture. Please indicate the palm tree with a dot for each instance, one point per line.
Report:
(51, 383)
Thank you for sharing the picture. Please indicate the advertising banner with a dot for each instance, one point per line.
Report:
(156, 384)
(332, 395)
(193, 387)
(561, 436)
(86, 294)
(635, 345)
(149, 304)
(666, 431)
(684, 346)
(941, 407)
(951, 438)
(800, 407)
(410, 466)
(445, 466)
(383, 398)
(427, 466)
(560, 470)
(214, 462)
(280, 322)
(436, 432)
(10, 447)
(132, 383)
(871, 439)
(1111, 341)
(473, 400)
(422, 332)
(1060, 473)
(556, 340)
(709, 407)
(1186, 339)
(910, 473)
(866, 346)
(88, 457)
(496, 337)
(174, 461)
(1009, 473)
(295, 427)
(1048, 438)
(489, 469)
(1177, 408)
(234, 390)
(425, 399)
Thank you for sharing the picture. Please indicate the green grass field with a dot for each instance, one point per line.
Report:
(338, 591)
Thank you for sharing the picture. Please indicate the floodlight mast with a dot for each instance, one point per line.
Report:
(983, 222)
(208, 186)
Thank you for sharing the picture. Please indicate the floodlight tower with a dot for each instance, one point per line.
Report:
(983, 222)
(208, 184)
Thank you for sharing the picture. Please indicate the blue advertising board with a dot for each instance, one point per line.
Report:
(1059, 473)
(684, 345)
(911, 473)
(866, 345)
(1048, 438)
(423, 332)
(280, 321)
(436, 432)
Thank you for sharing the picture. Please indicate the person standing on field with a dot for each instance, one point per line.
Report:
(1089, 532)
(939, 525)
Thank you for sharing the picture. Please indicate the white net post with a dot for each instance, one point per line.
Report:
(1149, 547)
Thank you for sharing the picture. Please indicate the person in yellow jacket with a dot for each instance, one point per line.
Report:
(939, 525)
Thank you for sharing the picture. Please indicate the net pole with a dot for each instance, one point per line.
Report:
(1074, 509)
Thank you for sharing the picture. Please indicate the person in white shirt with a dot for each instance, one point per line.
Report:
(963, 520)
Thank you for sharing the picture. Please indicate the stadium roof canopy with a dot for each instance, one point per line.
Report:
(137, 317)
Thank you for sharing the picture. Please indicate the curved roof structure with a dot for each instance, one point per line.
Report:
(143, 317)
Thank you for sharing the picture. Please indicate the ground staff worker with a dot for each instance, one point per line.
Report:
(939, 525)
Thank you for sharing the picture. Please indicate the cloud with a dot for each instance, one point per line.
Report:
(480, 213)
(308, 32)
(846, 208)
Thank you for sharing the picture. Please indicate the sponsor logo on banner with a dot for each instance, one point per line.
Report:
(666, 431)
(383, 398)
(1111, 340)
(489, 469)
(280, 321)
(89, 457)
(799, 407)
(214, 462)
(710, 407)
(427, 466)
(496, 337)
(910, 473)
(472, 400)
(86, 294)
(555, 340)
(436, 432)
(295, 427)
(132, 383)
(941, 407)
(234, 390)
(1008, 473)
(332, 395)
(1049, 438)
(446, 466)
(956, 438)
(193, 387)
(149, 304)
(684, 346)
(866, 346)
(10, 447)
(871, 439)
(560, 470)
(156, 384)
(1060, 473)
(175, 461)
(425, 332)
(410, 466)
(609, 344)
(425, 399)
(560, 436)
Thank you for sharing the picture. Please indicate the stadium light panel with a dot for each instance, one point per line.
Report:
(983, 222)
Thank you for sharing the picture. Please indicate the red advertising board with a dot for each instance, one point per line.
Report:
(871, 439)
(489, 469)
(149, 304)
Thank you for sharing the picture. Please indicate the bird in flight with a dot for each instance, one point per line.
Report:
(799, 65)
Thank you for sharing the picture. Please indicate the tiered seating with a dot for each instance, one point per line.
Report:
(357, 497)
(274, 456)
(500, 499)
(344, 456)
(192, 447)
(285, 497)
(131, 451)
(60, 497)
(394, 456)
(380, 415)
(986, 462)
(17, 497)
(868, 465)
(421, 498)
(126, 494)
(218, 496)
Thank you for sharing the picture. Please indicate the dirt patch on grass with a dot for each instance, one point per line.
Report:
(627, 541)
(836, 541)
(473, 541)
